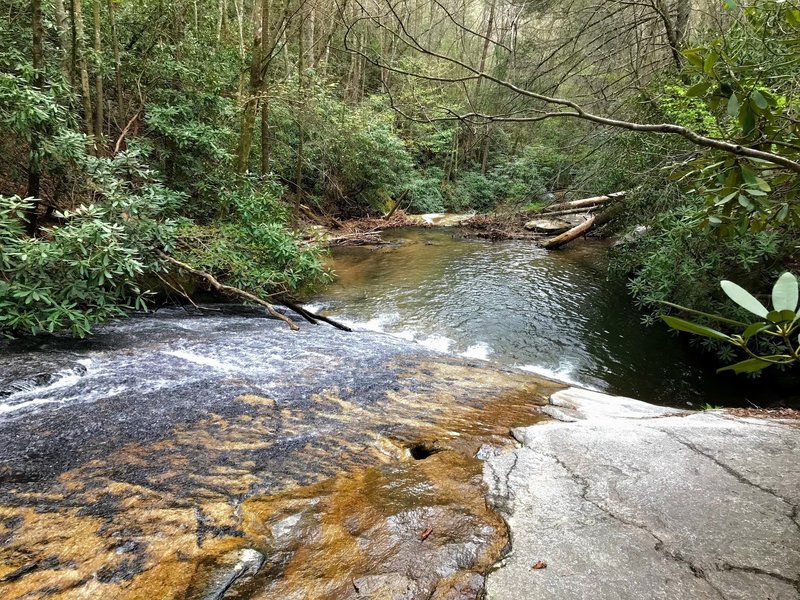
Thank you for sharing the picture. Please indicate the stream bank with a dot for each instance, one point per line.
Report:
(626, 500)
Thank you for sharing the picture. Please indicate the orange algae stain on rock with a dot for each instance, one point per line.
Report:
(162, 519)
(358, 534)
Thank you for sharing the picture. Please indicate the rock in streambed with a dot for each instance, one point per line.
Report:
(218, 455)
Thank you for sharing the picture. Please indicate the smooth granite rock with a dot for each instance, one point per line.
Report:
(630, 501)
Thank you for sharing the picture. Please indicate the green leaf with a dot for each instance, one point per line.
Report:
(759, 100)
(748, 176)
(781, 316)
(751, 365)
(785, 293)
(754, 329)
(733, 105)
(743, 298)
(688, 326)
(710, 61)
(747, 119)
(694, 58)
(698, 90)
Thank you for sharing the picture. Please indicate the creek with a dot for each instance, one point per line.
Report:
(212, 454)
(556, 314)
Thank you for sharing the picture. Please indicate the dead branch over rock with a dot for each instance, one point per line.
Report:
(229, 290)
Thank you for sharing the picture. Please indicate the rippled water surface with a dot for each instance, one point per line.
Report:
(554, 313)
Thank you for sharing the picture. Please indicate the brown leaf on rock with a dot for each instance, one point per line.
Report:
(540, 564)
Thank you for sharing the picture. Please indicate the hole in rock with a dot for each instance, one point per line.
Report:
(422, 451)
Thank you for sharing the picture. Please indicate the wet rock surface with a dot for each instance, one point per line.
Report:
(218, 455)
(624, 500)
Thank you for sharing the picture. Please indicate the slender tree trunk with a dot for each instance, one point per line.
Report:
(251, 103)
(117, 63)
(481, 69)
(80, 53)
(669, 30)
(99, 119)
(34, 165)
(62, 27)
(239, 6)
(298, 168)
(682, 21)
(222, 20)
(268, 47)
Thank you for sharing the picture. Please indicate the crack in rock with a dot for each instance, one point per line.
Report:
(659, 545)
(793, 508)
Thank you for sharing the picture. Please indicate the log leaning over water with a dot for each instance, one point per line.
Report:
(313, 317)
(585, 202)
(583, 228)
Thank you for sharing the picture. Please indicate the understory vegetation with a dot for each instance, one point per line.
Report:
(214, 130)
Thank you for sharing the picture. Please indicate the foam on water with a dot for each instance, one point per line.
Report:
(479, 350)
(8, 407)
(205, 361)
(564, 373)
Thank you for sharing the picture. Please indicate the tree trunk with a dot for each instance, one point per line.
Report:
(62, 27)
(251, 103)
(682, 21)
(99, 119)
(80, 54)
(34, 165)
(222, 19)
(481, 69)
(268, 44)
(298, 167)
(669, 30)
(579, 230)
(585, 202)
(117, 63)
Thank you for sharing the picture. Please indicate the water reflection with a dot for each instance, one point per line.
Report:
(554, 313)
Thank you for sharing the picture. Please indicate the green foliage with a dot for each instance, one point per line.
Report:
(778, 326)
(189, 137)
(523, 179)
(254, 250)
(470, 190)
(83, 273)
(425, 192)
(674, 260)
(353, 161)
(681, 106)
(741, 80)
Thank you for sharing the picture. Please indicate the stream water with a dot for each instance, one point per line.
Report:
(553, 313)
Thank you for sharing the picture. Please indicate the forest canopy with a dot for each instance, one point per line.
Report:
(211, 131)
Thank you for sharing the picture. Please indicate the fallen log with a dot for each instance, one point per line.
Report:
(572, 211)
(583, 228)
(397, 203)
(586, 202)
(313, 317)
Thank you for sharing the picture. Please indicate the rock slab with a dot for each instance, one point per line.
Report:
(624, 500)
